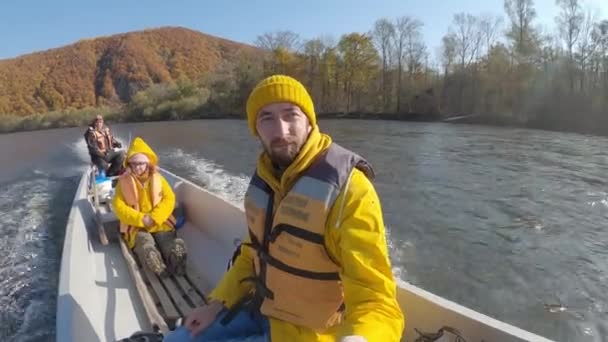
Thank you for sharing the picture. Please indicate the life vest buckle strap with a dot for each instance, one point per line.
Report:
(297, 232)
(330, 276)
(263, 255)
(261, 289)
(261, 251)
(272, 237)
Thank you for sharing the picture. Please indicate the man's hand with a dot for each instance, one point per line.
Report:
(202, 317)
(148, 221)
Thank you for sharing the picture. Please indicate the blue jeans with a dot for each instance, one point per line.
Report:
(243, 328)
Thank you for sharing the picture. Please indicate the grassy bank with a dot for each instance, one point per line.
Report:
(163, 112)
(158, 103)
(184, 100)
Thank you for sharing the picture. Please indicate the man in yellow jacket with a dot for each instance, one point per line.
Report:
(314, 266)
(143, 203)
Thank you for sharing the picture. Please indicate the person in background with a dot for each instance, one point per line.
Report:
(101, 145)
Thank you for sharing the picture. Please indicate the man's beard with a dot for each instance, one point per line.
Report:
(283, 152)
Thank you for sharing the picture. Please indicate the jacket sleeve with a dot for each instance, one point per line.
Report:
(92, 144)
(164, 208)
(230, 289)
(359, 245)
(124, 212)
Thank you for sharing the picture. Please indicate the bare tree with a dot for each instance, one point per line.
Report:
(281, 46)
(313, 51)
(586, 44)
(448, 52)
(447, 57)
(329, 74)
(466, 31)
(415, 51)
(405, 27)
(569, 23)
(489, 26)
(601, 39)
(384, 36)
(278, 40)
(522, 34)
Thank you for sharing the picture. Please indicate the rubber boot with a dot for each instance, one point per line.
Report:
(154, 261)
(148, 254)
(176, 260)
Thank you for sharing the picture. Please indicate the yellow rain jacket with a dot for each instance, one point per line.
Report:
(359, 245)
(159, 214)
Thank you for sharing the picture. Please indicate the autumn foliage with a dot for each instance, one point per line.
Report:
(110, 70)
(489, 68)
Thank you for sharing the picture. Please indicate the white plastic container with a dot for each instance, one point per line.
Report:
(104, 189)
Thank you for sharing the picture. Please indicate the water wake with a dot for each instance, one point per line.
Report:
(33, 213)
(208, 174)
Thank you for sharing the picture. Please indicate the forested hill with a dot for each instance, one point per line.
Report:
(110, 70)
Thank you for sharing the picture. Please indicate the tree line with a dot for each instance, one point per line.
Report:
(501, 68)
(498, 68)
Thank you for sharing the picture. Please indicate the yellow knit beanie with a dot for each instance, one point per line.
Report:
(279, 88)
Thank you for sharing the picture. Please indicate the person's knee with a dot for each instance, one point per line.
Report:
(100, 163)
(144, 239)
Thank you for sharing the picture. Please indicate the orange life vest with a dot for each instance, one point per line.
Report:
(131, 195)
(104, 139)
(295, 277)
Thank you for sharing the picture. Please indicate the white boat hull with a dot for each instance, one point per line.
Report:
(98, 301)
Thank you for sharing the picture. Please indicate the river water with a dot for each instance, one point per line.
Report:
(503, 221)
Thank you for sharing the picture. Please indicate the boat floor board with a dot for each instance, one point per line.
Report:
(149, 301)
(168, 297)
(190, 291)
(165, 299)
(166, 304)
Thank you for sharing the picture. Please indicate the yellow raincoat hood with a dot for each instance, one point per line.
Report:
(139, 146)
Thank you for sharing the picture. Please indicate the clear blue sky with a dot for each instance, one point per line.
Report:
(27, 26)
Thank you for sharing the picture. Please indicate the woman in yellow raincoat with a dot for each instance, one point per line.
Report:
(144, 202)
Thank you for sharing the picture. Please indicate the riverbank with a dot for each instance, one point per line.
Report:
(81, 118)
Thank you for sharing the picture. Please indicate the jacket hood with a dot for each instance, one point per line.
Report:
(139, 146)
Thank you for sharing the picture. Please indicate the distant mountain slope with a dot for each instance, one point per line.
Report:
(110, 69)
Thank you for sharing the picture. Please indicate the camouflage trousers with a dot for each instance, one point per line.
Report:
(163, 253)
